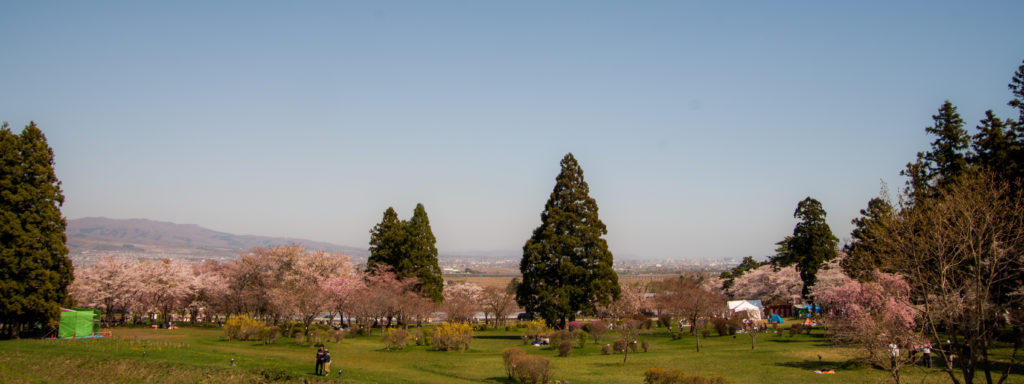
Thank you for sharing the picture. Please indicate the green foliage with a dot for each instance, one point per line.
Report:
(863, 253)
(452, 336)
(566, 265)
(811, 245)
(34, 268)
(408, 247)
(728, 277)
(947, 157)
(581, 338)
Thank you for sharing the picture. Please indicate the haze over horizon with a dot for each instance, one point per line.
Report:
(698, 128)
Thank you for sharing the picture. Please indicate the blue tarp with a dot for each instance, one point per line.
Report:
(775, 319)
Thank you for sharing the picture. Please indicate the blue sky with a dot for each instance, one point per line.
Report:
(699, 127)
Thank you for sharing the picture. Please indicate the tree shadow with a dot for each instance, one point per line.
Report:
(501, 379)
(499, 337)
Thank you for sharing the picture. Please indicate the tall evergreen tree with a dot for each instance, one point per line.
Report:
(421, 255)
(863, 253)
(35, 270)
(386, 241)
(811, 245)
(992, 146)
(408, 248)
(947, 157)
(566, 265)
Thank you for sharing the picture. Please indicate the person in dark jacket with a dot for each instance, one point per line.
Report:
(320, 354)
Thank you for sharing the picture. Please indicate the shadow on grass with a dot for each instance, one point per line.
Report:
(496, 337)
(818, 364)
(501, 379)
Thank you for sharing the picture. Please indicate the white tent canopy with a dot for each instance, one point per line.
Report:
(751, 307)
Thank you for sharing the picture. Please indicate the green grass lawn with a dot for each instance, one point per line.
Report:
(142, 355)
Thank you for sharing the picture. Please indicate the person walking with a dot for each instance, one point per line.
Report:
(320, 354)
(327, 362)
(926, 352)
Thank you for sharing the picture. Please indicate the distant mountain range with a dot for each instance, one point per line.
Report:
(141, 238)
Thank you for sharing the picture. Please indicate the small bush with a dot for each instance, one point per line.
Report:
(721, 326)
(564, 348)
(533, 369)
(705, 333)
(676, 335)
(396, 338)
(426, 337)
(663, 376)
(632, 346)
(558, 337)
(606, 349)
(581, 338)
(619, 345)
(646, 324)
(336, 336)
(795, 329)
(275, 374)
(510, 355)
(675, 376)
(269, 334)
(317, 337)
(596, 329)
(665, 320)
(452, 336)
(644, 345)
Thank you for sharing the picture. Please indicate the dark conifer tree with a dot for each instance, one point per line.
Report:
(386, 241)
(408, 248)
(863, 253)
(35, 270)
(566, 265)
(811, 245)
(947, 157)
(421, 255)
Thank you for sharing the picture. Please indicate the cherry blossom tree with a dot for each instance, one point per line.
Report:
(164, 285)
(342, 292)
(687, 297)
(109, 284)
(462, 301)
(877, 315)
(769, 285)
(498, 302)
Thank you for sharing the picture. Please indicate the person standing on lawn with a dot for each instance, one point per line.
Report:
(320, 354)
(327, 363)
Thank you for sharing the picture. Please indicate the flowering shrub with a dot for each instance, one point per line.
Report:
(574, 325)
(536, 328)
(452, 336)
(242, 327)
(396, 338)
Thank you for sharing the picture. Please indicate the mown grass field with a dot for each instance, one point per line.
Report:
(203, 355)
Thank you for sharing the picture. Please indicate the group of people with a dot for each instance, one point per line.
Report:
(323, 362)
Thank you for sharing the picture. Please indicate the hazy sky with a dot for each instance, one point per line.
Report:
(699, 126)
